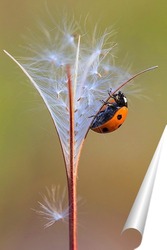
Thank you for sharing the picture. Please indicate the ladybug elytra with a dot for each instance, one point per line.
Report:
(112, 114)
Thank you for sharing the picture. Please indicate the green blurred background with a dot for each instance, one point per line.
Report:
(112, 166)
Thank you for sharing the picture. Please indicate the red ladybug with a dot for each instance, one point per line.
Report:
(112, 114)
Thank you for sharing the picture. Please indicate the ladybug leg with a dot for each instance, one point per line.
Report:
(104, 102)
(114, 96)
(110, 93)
(91, 116)
(107, 103)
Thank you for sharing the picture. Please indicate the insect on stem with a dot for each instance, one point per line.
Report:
(120, 86)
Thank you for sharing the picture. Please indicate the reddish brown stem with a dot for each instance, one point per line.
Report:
(72, 214)
(71, 173)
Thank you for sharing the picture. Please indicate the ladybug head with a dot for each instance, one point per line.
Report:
(120, 99)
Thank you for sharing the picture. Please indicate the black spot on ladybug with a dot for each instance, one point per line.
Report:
(119, 117)
(105, 130)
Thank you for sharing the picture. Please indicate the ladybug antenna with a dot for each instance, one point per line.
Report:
(134, 76)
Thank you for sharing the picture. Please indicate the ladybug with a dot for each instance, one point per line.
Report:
(112, 114)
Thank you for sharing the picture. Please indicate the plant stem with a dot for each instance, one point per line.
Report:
(72, 213)
(71, 176)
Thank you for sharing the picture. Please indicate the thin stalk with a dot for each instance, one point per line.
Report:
(72, 182)
(131, 78)
(76, 65)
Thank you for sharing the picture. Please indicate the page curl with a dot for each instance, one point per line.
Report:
(148, 214)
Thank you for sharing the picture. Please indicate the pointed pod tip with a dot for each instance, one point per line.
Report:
(153, 67)
(8, 54)
(5, 51)
(145, 70)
